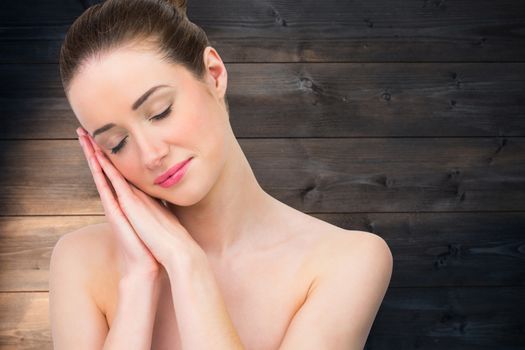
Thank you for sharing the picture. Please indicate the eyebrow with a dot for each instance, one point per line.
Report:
(134, 107)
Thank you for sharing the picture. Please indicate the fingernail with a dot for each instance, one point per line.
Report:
(80, 140)
(81, 131)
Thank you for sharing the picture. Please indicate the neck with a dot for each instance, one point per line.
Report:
(232, 212)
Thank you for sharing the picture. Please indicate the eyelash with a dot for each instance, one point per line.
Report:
(163, 115)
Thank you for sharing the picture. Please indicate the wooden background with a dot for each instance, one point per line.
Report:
(402, 118)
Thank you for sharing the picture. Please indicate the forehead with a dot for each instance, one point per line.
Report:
(107, 86)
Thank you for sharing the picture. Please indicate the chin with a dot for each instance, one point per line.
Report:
(187, 193)
(183, 198)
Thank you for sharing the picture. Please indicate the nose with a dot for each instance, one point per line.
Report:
(153, 149)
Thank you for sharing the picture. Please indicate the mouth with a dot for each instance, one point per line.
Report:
(170, 172)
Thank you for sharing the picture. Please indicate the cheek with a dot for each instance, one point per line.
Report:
(128, 169)
(209, 137)
(202, 131)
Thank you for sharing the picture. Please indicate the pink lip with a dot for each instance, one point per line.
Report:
(159, 180)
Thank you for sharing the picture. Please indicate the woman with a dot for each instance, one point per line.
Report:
(194, 254)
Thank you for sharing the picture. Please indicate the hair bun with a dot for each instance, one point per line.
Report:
(181, 5)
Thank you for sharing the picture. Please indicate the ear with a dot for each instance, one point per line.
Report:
(216, 73)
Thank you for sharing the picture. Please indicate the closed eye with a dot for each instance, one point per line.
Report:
(162, 115)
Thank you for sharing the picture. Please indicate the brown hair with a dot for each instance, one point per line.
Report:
(114, 23)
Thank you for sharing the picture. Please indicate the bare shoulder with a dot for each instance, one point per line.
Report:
(78, 269)
(328, 246)
(92, 245)
(350, 272)
(353, 252)
(89, 252)
(355, 244)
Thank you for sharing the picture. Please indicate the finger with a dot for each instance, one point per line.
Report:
(144, 198)
(87, 147)
(84, 151)
(155, 205)
(117, 180)
(112, 208)
(111, 173)
(106, 195)
(133, 202)
(125, 197)
(84, 146)
(92, 141)
(149, 200)
(104, 161)
(130, 204)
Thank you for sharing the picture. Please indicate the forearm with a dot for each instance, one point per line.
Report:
(202, 317)
(132, 326)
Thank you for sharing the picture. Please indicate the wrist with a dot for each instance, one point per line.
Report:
(134, 290)
(141, 280)
(184, 260)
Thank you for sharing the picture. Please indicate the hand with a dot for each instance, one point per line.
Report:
(149, 220)
(137, 258)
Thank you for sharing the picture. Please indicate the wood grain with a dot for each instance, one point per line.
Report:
(312, 175)
(409, 318)
(313, 100)
(430, 249)
(312, 31)
(405, 119)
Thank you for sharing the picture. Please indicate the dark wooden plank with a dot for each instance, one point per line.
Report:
(409, 318)
(315, 31)
(429, 249)
(313, 100)
(313, 175)
(435, 182)
(447, 249)
(15, 13)
(450, 318)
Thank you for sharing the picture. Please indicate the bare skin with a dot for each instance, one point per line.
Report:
(287, 279)
(263, 289)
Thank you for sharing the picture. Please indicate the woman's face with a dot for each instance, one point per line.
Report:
(144, 137)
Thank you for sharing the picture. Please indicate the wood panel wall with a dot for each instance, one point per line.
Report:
(402, 118)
